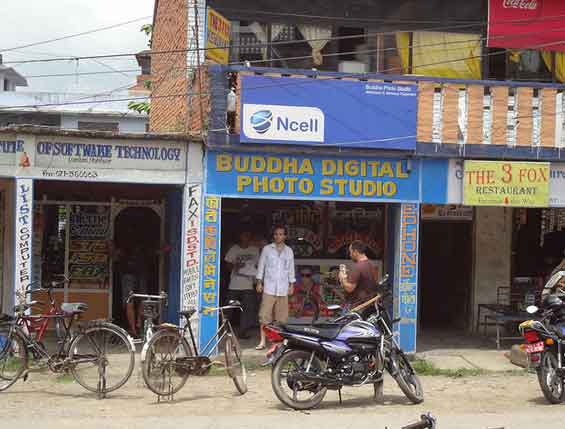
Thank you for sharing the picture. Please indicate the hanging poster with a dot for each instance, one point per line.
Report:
(88, 246)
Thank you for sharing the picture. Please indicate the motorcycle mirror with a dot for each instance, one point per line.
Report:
(531, 309)
(333, 307)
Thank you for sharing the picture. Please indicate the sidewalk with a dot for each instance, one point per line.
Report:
(472, 353)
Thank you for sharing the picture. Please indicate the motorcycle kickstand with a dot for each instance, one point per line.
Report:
(339, 393)
(378, 391)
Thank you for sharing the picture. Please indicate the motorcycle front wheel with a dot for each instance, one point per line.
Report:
(289, 384)
(550, 382)
(406, 378)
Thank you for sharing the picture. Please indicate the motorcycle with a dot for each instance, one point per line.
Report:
(545, 339)
(310, 359)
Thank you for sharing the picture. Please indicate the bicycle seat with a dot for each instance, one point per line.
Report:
(74, 307)
(187, 313)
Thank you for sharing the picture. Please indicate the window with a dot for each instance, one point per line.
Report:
(99, 126)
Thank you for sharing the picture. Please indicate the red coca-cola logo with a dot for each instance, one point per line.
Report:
(520, 4)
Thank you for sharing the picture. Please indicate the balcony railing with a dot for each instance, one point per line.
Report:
(460, 112)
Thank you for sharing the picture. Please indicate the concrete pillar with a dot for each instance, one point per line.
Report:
(492, 253)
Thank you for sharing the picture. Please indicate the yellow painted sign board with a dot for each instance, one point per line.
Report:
(505, 183)
(217, 37)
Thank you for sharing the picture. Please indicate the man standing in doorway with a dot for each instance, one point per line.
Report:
(275, 279)
(361, 283)
(242, 261)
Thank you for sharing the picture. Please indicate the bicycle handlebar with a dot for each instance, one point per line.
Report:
(161, 296)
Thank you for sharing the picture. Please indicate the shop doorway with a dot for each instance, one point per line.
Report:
(445, 275)
(137, 230)
(319, 233)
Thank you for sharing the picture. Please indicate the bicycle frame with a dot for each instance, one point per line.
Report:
(35, 346)
(225, 328)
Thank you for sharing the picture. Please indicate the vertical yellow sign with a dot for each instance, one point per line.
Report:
(501, 183)
(217, 37)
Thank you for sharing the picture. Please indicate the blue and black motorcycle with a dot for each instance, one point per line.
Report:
(352, 350)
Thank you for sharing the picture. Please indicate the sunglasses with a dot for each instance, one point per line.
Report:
(306, 275)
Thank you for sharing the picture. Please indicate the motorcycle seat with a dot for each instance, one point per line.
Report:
(328, 331)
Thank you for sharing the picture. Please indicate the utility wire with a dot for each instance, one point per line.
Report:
(84, 33)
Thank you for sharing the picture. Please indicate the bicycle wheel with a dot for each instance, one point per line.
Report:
(234, 364)
(102, 358)
(164, 371)
(13, 357)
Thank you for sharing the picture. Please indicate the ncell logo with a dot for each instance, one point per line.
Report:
(261, 121)
(288, 123)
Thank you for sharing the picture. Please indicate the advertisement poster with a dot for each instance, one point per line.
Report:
(218, 31)
(210, 288)
(408, 275)
(527, 24)
(88, 249)
(23, 237)
(328, 112)
(191, 250)
(501, 183)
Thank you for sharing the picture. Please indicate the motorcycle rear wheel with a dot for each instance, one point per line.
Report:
(298, 360)
(550, 382)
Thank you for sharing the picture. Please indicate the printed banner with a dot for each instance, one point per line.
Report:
(499, 183)
(210, 287)
(191, 250)
(312, 177)
(328, 112)
(218, 30)
(407, 276)
(65, 158)
(23, 237)
(527, 24)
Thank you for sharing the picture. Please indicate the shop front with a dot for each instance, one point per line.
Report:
(95, 210)
(502, 228)
(326, 202)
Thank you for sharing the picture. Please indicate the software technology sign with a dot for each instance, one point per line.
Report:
(328, 112)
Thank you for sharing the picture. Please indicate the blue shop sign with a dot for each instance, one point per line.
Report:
(312, 177)
(328, 112)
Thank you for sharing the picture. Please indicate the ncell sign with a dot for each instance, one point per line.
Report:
(328, 112)
(263, 121)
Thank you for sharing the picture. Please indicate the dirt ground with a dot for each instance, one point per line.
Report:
(489, 401)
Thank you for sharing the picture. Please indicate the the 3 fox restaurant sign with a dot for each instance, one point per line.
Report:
(496, 183)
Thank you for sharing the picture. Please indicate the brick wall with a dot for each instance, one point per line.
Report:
(169, 72)
(199, 101)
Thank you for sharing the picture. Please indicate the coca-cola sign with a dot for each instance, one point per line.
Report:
(527, 24)
(520, 4)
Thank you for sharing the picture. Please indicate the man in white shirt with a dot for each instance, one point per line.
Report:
(275, 279)
(242, 260)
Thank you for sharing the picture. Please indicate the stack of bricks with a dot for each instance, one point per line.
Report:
(169, 72)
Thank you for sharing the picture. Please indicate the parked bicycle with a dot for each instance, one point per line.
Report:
(152, 308)
(99, 354)
(168, 359)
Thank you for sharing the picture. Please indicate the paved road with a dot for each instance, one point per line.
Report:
(510, 401)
